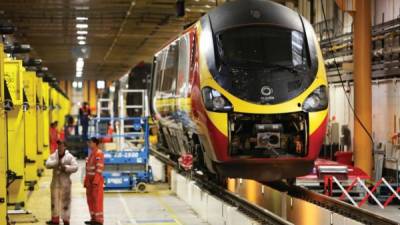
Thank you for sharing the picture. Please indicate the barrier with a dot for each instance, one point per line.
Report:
(329, 181)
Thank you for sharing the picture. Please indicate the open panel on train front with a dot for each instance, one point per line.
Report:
(269, 136)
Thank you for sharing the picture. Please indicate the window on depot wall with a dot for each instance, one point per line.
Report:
(101, 84)
(77, 85)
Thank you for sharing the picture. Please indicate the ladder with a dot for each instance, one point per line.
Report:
(105, 108)
(131, 129)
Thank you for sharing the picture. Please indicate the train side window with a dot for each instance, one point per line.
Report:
(183, 66)
(170, 69)
(158, 72)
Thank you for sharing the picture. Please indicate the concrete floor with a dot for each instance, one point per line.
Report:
(158, 207)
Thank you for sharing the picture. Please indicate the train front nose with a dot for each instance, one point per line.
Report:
(266, 147)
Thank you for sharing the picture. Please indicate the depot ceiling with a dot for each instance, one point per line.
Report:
(109, 36)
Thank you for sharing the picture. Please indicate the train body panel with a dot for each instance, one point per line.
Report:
(220, 95)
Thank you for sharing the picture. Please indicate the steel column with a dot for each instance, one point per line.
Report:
(362, 85)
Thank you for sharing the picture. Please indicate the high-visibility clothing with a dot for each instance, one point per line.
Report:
(61, 184)
(54, 136)
(108, 138)
(94, 183)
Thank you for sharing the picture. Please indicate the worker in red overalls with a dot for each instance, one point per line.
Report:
(94, 182)
(109, 136)
(54, 136)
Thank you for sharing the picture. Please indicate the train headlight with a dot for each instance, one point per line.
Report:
(316, 101)
(215, 101)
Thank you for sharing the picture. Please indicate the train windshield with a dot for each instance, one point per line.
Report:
(258, 58)
(262, 46)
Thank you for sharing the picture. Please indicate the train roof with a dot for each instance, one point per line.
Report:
(242, 12)
(233, 14)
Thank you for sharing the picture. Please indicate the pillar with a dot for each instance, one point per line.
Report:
(362, 85)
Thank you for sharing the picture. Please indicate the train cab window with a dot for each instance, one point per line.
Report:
(183, 66)
(260, 45)
(253, 58)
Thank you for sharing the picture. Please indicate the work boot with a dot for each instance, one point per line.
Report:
(96, 223)
(89, 222)
(65, 222)
(55, 220)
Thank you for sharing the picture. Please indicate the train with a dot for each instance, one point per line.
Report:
(243, 91)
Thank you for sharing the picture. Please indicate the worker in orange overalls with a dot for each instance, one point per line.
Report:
(109, 136)
(94, 182)
(54, 136)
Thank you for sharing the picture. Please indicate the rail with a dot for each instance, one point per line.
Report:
(265, 217)
(255, 212)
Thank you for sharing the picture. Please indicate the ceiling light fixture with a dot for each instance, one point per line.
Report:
(82, 7)
(82, 25)
(101, 84)
(81, 18)
(82, 42)
(82, 32)
(78, 74)
(81, 38)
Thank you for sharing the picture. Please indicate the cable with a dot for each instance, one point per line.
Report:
(340, 77)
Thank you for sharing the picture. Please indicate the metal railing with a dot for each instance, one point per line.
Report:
(329, 181)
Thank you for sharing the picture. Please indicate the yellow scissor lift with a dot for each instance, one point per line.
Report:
(30, 124)
(13, 74)
(3, 144)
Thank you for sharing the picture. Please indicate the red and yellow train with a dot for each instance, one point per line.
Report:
(244, 91)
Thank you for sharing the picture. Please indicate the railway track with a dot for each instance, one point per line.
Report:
(265, 217)
(253, 211)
